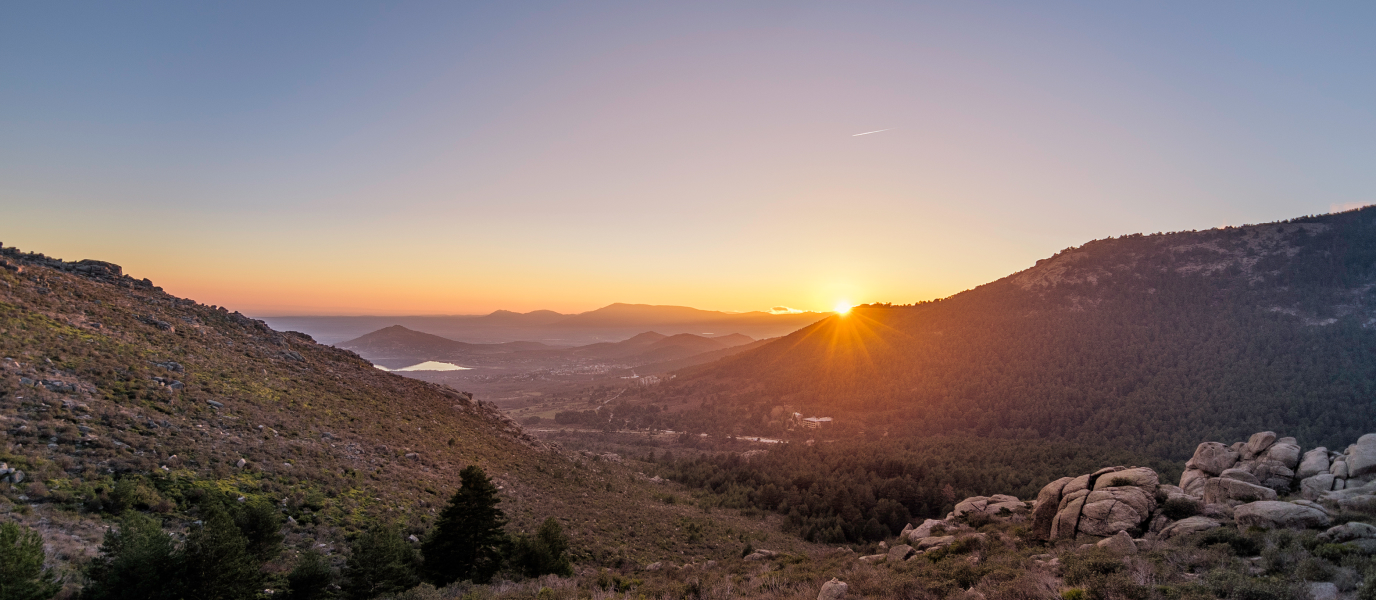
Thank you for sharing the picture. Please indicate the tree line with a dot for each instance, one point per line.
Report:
(223, 553)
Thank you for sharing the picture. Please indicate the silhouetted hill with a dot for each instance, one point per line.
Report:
(397, 342)
(611, 323)
(1155, 342)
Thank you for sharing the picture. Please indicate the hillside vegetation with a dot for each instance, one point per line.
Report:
(116, 396)
(1147, 342)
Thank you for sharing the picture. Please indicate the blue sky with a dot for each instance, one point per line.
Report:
(460, 157)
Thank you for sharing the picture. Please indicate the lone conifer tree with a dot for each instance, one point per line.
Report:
(467, 541)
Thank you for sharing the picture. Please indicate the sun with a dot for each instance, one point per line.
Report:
(842, 307)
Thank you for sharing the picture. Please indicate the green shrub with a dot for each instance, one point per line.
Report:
(1084, 566)
(1236, 586)
(311, 578)
(1238, 543)
(1176, 509)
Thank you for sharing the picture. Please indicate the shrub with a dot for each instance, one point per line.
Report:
(1073, 594)
(1236, 586)
(136, 562)
(543, 554)
(1176, 509)
(1238, 543)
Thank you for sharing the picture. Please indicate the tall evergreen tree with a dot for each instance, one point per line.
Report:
(467, 541)
(216, 562)
(380, 562)
(136, 562)
(22, 576)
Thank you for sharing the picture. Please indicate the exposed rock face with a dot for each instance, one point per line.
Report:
(1271, 514)
(1102, 503)
(1115, 509)
(1045, 508)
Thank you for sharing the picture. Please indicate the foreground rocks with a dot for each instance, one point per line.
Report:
(1102, 503)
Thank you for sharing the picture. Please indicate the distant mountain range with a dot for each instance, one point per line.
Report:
(609, 323)
(396, 346)
(1152, 342)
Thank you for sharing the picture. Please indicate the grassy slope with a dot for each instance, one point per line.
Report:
(331, 439)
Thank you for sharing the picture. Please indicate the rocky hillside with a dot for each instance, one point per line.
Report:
(1152, 342)
(115, 395)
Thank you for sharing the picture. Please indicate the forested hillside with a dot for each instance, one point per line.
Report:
(1148, 342)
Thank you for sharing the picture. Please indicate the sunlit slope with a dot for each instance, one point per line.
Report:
(1156, 342)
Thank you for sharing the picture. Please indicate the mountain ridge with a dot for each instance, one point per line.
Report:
(1157, 341)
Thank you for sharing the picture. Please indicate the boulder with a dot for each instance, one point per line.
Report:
(833, 590)
(969, 505)
(1314, 462)
(900, 552)
(1211, 458)
(1258, 443)
(1141, 477)
(1217, 511)
(1111, 510)
(1355, 498)
(1271, 514)
(1361, 457)
(1240, 475)
(925, 529)
(1234, 492)
(1192, 482)
(1188, 526)
(1322, 590)
(1045, 507)
(1313, 487)
(1285, 451)
(1274, 474)
(1119, 543)
(873, 558)
(928, 543)
(1348, 532)
(1339, 467)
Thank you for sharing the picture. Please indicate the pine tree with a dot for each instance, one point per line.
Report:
(380, 562)
(467, 541)
(22, 576)
(311, 578)
(216, 563)
(136, 562)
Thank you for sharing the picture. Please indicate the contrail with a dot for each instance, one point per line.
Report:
(869, 132)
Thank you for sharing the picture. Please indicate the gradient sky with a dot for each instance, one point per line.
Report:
(452, 157)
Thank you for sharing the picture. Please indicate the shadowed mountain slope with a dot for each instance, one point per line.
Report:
(1154, 342)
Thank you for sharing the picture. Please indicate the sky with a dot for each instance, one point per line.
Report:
(461, 157)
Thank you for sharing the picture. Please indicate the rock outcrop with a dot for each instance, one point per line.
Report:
(1102, 503)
